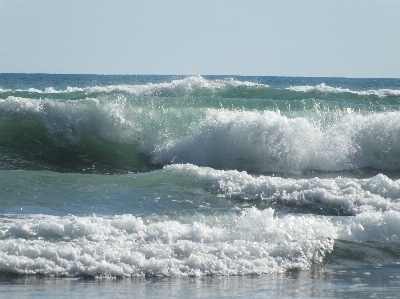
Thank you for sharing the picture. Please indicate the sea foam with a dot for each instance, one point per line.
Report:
(323, 88)
(254, 242)
(270, 142)
(331, 195)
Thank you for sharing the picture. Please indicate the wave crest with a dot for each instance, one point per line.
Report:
(335, 196)
(179, 87)
(323, 88)
(269, 142)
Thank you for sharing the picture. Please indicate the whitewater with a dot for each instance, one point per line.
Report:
(175, 179)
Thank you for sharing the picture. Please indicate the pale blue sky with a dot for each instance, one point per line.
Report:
(276, 38)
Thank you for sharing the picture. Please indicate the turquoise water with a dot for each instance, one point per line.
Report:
(220, 185)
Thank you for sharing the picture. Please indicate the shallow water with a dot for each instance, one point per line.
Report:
(316, 283)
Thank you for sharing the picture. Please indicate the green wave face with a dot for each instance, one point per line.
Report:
(224, 123)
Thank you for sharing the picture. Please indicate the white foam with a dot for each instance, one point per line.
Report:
(269, 142)
(319, 88)
(254, 242)
(185, 86)
(344, 195)
(372, 226)
(323, 88)
(180, 87)
(20, 107)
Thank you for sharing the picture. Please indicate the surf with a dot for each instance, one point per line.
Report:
(276, 136)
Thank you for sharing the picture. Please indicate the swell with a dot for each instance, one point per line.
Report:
(197, 86)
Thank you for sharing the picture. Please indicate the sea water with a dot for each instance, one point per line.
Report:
(213, 186)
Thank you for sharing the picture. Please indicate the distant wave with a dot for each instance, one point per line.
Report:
(197, 85)
(323, 88)
(179, 87)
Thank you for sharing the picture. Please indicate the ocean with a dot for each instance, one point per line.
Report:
(199, 186)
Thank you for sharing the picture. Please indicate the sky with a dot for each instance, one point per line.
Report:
(332, 38)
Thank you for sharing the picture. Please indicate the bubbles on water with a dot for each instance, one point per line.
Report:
(340, 195)
(254, 242)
